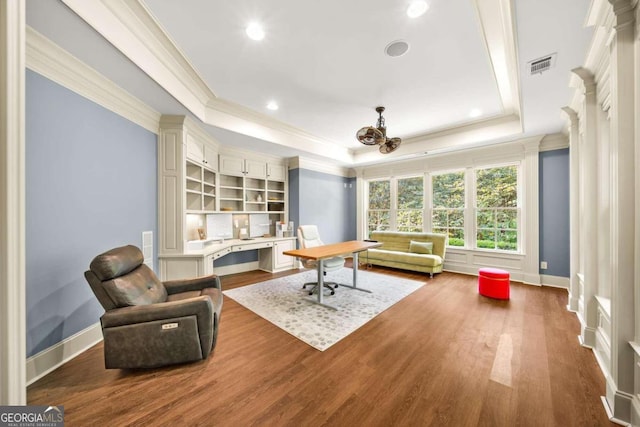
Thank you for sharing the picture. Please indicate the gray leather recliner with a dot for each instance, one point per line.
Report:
(148, 323)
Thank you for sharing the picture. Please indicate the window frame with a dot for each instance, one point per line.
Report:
(519, 208)
(393, 194)
(432, 208)
(470, 209)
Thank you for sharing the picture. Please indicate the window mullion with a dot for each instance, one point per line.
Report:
(470, 208)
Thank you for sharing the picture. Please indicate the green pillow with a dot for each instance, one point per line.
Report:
(421, 247)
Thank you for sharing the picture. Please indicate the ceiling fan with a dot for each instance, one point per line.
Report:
(370, 135)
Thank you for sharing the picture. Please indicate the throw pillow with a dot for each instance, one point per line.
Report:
(421, 247)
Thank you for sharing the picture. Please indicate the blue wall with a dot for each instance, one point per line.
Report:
(554, 212)
(90, 185)
(326, 200)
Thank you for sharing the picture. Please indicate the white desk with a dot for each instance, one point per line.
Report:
(195, 263)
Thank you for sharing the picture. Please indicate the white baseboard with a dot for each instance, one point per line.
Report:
(57, 355)
(635, 411)
(554, 281)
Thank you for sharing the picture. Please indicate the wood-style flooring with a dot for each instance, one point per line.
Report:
(443, 356)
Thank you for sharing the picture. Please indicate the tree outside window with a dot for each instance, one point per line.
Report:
(448, 206)
(410, 204)
(379, 205)
(497, 208)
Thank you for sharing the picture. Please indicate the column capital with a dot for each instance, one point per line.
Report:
(623, 11)
(571, 115)
(587, 78)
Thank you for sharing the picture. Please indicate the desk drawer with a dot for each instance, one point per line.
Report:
(252, 246)
(220, 253)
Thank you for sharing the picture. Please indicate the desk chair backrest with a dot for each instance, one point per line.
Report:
(308, 236)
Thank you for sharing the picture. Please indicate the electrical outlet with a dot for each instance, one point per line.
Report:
(543, 265)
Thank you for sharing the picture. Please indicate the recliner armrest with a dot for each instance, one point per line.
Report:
(195, 284)
(201, 307)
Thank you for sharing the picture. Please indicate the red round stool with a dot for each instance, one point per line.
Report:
(493, 283)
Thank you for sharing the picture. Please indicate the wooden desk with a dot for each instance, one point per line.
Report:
(320, 253)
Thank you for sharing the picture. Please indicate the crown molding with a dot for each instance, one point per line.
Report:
(170, 121)
(131, 28)
(497, 20)
(319, 166)
(452, 139)
(50, 60)
(556, 141)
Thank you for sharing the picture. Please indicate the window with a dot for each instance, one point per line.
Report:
(396, 204)
(476, 207)
(379, 205)
(410, 204)
(497, 208)
(448, 206)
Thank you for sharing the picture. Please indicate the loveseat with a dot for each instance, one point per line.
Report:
(408, 251)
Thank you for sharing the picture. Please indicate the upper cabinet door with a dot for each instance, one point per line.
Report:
(255, 169)
(195, 150)
(210, 158)
(276, 172)
(231, 166)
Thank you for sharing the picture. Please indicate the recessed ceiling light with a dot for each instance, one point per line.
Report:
(417, 8)
(476, 112)
(255, 31)
(272, 105)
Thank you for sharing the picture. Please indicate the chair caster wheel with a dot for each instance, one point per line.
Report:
(333, 293)
(311, 293)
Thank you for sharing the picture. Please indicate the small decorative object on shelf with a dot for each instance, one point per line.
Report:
(259, 198)
(202, 233)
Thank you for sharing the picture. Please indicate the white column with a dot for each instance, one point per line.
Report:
(574, 205)
(12, 206)
(532, 222)
(588, 165)
(620, 387)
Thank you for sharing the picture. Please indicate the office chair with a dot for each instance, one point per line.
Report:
(308, 237)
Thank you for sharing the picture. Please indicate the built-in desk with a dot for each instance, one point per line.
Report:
(194, 263)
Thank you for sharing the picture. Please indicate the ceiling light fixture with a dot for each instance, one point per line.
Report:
(272, 105)
(476, 112)
(417, 8)
(254, 31)
(370, 135)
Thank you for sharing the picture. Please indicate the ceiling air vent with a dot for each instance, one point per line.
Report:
(540, 65)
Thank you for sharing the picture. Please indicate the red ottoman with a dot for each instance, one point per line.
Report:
(493, 283)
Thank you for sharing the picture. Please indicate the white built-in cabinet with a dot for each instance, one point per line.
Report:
(248, 168)
(187, 179)
(194, 180)
(252, 185)
(276, 172)
(201, 152)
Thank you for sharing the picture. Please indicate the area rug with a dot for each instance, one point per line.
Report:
(284, 303)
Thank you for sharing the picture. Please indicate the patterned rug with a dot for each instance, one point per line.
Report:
(284, 303)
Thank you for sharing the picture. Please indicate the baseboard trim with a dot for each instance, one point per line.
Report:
(57, 355)
(635, 411)
(554, 281)
(613, 419)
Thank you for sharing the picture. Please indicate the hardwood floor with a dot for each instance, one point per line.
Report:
(443, 356)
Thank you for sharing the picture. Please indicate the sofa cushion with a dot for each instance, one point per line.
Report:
(405, 257)
(421, 247)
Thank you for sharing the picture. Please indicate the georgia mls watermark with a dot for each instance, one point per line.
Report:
(31, 416)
